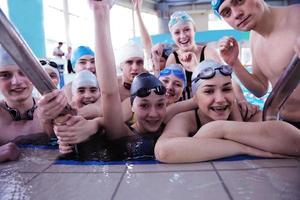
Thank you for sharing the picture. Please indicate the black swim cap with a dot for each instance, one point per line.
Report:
(144, 82)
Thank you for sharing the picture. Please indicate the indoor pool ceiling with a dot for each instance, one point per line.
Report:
(155, 5)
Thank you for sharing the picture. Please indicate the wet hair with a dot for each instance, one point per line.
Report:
(145, 81)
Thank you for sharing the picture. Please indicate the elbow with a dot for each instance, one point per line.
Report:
(163, 152)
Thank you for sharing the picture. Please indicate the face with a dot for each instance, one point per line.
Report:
(174, 86)
(183, 35)
(131, 68)
(241, 14)
(14, 85)
(53, 76)
(86, 62)
(215, 97)
(162, 63)
(87, 95)
(149, 112)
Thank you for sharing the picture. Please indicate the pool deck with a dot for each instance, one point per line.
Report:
(37, 176)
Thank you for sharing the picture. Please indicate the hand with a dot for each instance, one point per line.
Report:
(229, 50)
(100, 4)
(297, 47)
(51, 105)
(9, 152)
(137, 4)
(247, 110)
(76, 130)
(189, 60)
(156, 54)
(64, 148)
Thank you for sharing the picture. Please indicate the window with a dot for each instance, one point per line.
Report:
(215, 23)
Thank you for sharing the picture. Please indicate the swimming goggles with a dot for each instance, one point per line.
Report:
(51, 63)
(144, 92)
(179, 16)
(209, 72)
(178, 73)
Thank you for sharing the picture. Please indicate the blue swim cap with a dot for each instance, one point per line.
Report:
(175, 69)
(215, 5)
(79, 52)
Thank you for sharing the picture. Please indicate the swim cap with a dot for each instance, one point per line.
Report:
(129, 50)
(180, 17)
(5, 58)
(144, 82)
(84, 78)
(175, 69)
(79, 52)
(207, 69)
(215, 5)
(51, 65)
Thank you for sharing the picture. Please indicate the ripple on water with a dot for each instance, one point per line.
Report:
(13, 185)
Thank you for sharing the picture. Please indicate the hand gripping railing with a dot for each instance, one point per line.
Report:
(284, 87)
(18, 49)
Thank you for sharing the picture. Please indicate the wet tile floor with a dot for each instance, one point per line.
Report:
(38, 176)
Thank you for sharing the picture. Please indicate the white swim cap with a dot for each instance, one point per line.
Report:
(129, 50)
(5, 58)
(84, 78)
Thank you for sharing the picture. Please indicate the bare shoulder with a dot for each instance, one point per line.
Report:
(180, 125)
(293, 15)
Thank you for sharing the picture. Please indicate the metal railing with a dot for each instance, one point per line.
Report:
(284, 87)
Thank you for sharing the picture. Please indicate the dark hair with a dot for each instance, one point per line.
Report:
(60, 43)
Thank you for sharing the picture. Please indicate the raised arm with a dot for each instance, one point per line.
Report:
(256, 82)
(145, 37)
(106, 71)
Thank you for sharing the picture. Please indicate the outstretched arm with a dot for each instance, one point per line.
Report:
(106, 71)
(178, 107)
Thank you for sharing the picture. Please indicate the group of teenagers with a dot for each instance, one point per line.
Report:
(189, 109)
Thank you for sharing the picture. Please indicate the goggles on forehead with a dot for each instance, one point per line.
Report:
(209, 72)
(51, 63)
(144, 92)
(179, 17)
(178, 73)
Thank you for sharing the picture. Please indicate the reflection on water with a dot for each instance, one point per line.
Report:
(12, 185)
(99, 148)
